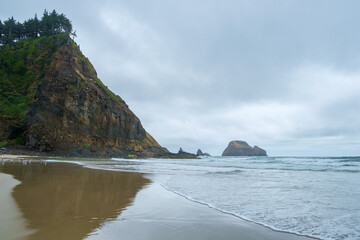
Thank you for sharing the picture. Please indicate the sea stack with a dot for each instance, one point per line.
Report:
(241, 148)
(200, 153)
(183, 154)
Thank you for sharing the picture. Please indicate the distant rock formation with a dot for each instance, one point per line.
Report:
(200, 153)
(241, 148)
(183, 154)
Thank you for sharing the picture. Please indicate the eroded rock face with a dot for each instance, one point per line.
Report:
(74, 112)
(241, 148)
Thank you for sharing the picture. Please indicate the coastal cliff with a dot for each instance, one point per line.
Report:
(52, 101)
(241, 148)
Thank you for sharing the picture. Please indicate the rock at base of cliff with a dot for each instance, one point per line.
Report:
(241, 148)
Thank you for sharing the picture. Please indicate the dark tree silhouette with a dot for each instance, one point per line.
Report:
(9, 31)
(50, 24)
(31, 28)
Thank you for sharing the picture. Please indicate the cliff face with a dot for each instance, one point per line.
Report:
(241, 148)
(22, 66)
(73, 113)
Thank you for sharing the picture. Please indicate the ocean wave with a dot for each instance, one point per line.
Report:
(357, 160)
(226, 172)
(232, 213)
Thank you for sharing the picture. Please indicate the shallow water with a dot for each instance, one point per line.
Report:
(65, 201)
(317, 197)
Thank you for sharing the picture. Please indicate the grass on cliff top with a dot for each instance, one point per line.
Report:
(22, 65)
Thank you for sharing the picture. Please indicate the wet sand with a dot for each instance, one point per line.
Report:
(67, 201)
(12, 223)
(158, 214)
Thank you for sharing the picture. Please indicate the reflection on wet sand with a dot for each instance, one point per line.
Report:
(67, 201)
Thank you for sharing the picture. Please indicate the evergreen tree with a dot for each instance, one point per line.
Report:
(18, 31)
(65, 24)
(9, 30)
(55, 23)
(29, 28)
(36, 27)
(45, 24)
(50, 24)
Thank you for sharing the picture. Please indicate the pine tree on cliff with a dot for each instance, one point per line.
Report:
(9, 29)
(65, 25)
(19, 30)
(50, 24)
(54, 23)
(45, 24)
(31, 28)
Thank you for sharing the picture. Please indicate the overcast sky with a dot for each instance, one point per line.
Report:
(283, 75)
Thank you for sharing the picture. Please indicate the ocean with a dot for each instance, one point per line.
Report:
(312, 196)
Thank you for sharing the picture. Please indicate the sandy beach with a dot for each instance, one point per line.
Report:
(67, 201)
(12, 223)
(159, 214)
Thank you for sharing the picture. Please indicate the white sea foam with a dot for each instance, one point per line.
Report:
(317, 197)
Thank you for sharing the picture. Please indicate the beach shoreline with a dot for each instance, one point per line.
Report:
(12, 223)
(157, 213)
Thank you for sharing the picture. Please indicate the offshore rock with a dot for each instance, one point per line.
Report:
(241, 148)
(183, 154)
(200, 153)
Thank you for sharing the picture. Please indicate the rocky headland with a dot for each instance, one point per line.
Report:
(52, 102)
(241, 148)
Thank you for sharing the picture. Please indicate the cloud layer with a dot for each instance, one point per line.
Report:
(283, 75)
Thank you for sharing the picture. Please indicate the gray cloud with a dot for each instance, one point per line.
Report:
(279, 74)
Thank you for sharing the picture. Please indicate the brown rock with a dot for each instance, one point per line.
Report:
(241, 148)
(74, 113)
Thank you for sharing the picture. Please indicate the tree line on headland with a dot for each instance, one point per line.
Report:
(51, 23)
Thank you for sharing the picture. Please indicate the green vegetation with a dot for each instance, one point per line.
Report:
(77, 85)
(22, 65)
(87, 145)
(3, 143)
(50, 24)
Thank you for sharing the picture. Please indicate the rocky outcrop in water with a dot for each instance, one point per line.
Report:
(183, 154)
(241, 148)
(199, 153)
